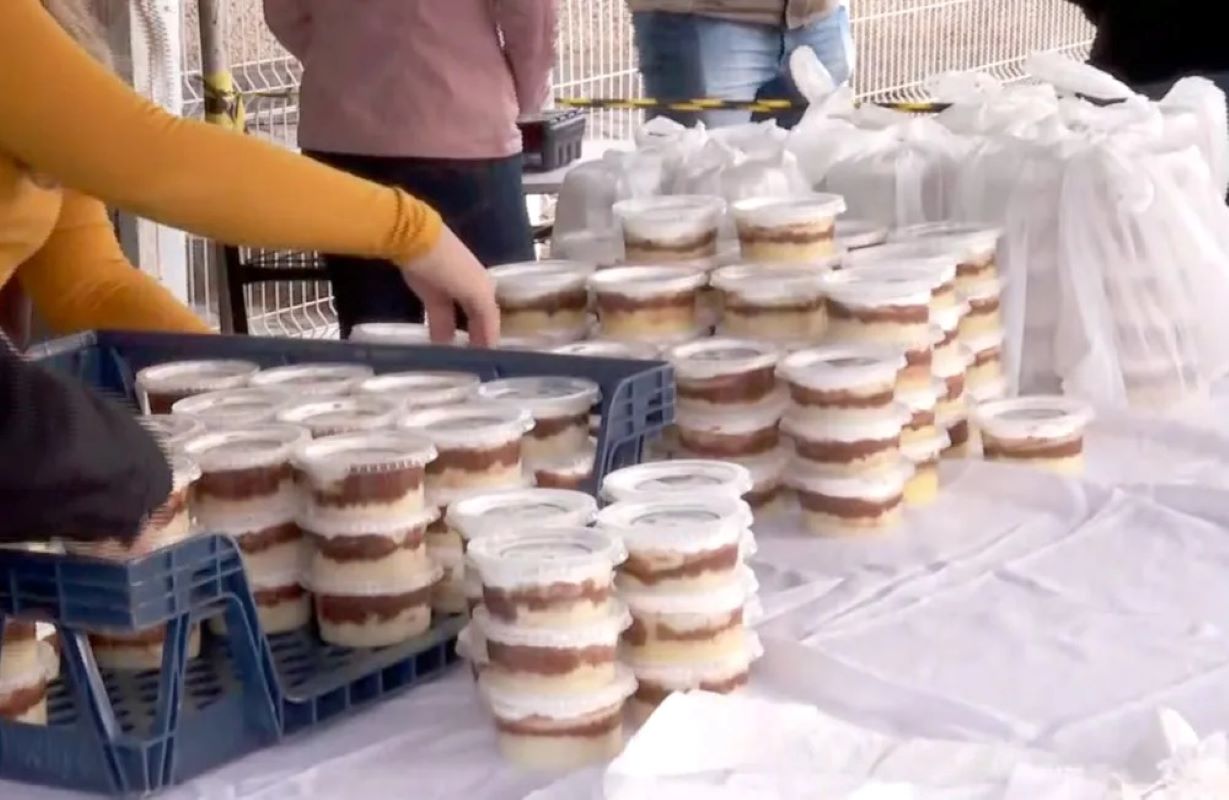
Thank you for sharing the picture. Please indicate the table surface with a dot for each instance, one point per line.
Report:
(591, 150)
(1021, 607)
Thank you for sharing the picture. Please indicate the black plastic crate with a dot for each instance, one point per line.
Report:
(134, 734)
(552, 139)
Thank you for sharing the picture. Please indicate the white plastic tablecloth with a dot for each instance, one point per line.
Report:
(1020, 607)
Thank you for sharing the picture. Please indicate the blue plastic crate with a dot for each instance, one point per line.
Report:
(134, 734)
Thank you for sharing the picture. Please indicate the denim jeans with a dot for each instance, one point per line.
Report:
(482, 201)
(685, 56)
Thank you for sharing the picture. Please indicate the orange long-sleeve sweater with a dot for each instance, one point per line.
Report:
(71, 132)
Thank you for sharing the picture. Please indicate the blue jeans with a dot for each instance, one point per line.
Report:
(483, 201)
(685, 56)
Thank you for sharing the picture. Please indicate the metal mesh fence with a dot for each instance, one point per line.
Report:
(900, 43)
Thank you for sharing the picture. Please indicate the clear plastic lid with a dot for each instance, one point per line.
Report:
(765, 413)
(936, 272)
(422, 389)
(677, 478)
(469, 426)
(599, 247)
(243, 522)
(878, 427)
(970, 240)
(511, 704)
(645, 283)
(855, 234)
(196, 376)
(172, 430)
(278, 580)
(842, 367)
(444, 498)
(530, 556)
(928, 449)
(724, 598)
(332, 458)
(341, 414)
(492, 512)
(530, 280)
(923, 255)
(987, 391)
(989, 288)
(610, 349)
(338, 526)
(343, 584)
(801, 209)
(945, 368)
(547, 397)
(919, 399)
(718, 357)
(678, 525)
(314, 380)
(1041, 417)
(578, 465)
(772, 285)
(983, 342)
(677, 676)
(878, 485)
(862, 288)
(399, 333)
(234, 408)
(185, 470)
(948, 318)
(669, 216)
(268, 445)
(603, 631)
(547, 341)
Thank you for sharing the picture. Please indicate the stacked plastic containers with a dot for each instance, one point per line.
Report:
(547, 644)
(650, 304)
(247, 490)
(783, 304)
(729, 408)
(796, 229)
(539, 298)
(365, 514)
(670, 229)
(481, 447)
(685, 580)
(850, 472)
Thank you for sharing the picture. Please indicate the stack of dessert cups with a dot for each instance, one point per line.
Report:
(366, 517)
(794, 229)
(233, 408)
(846, 424)
(247, 490)
(1044, 432)
(558, 450)
(412, 390)
(26, 667)
(543, 297)
(313, 380)
(922, 441)
(329, 416)
(951, 365)
(170, 524)
(690, 593)
(670, 229)
(655, 304)
(730, 406)
(159, 387)
(782, 303)
(481, 447)
(545, 641)
(981, 332)
(975, 245)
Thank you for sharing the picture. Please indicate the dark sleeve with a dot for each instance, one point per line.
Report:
(72, 464)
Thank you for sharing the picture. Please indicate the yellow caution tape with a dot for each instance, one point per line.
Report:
(223, 105)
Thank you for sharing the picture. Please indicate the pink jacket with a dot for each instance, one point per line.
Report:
(417, 78)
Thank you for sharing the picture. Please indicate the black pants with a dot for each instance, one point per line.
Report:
(481, 200)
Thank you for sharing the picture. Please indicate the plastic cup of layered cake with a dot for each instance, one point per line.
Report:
(270, 542)
(480, 445)
(678, 545)
(406, 333)
(735, 433)
(559, 733)
(647, 304)
(690, 627)
(422, 389)
(599, 348)
(848, 446)
(984, 378)
(601, 247)
(233, 408)
(333, 415)
(126, 651)
(924, 454)
(282, 604)
(724, 375)
(871, 308)
(777, 304)
(975, 245)
(160, 386)
(493, 512)
(172, 431)
(547, 577)
(679, 479)
(856, 234)
(313, 380)
(725, 675)
(246, 473)
(670, 228)
(375, 614)
(572, 471)
(1043, 432)
(373, 475)
(794, 229)
(560, 408)
(346, 553)
(843, 380)
(536, 296)
(850, 505)
(938, 271)
(569, 659)
(169, 524)
(985, 314)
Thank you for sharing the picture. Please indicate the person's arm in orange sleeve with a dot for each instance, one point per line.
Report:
(291, 24)
(179, 172)
(80, 280)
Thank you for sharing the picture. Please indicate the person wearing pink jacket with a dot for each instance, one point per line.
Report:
(425, 96)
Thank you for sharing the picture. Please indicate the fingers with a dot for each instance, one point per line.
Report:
(441, 313)
(483, 316)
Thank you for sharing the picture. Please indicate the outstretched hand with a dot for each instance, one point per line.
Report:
(447, 276)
